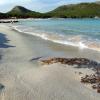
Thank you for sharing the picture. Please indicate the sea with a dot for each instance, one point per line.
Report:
(81, 33)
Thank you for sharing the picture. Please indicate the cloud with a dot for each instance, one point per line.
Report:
(5, 2)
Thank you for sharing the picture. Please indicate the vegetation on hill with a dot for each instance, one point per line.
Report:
(21, 12)
(2, 15)
(82, 10)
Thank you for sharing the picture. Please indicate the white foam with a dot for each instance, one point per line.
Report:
(75, 41)
(82, 46)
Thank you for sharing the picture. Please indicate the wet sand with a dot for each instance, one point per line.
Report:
(26, 79)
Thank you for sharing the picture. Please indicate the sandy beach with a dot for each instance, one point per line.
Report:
(26, 79)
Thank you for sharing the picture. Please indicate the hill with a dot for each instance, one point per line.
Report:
(2, 15)
(81, 10)
(20, 9)
(22, 12)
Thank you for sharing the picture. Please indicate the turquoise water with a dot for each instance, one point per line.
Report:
(83, 33)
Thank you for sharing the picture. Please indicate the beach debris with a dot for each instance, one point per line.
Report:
(89, 79)
(69, 61)
(9, 21)
(93, 79)
(36, 58)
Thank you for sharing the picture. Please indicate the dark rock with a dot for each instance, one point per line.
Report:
(9, 21)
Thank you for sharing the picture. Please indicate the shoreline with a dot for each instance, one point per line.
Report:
(74, 41)
(64, 46)
(24, 79)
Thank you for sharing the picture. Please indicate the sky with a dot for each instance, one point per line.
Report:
(37, 5)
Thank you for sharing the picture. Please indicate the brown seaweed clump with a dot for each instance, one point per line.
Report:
(69, 61)
(93, 79)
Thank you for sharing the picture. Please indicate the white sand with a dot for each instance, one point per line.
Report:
(26, 80)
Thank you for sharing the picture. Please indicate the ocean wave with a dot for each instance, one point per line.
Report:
(73, 40)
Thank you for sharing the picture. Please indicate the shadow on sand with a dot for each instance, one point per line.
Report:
(4, 41)
(0, 57)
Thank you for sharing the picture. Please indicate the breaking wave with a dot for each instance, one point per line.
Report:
(74, 40)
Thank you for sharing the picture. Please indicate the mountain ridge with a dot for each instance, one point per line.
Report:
(81, 10)
(77, 10)
(22, 12)
(20, 9)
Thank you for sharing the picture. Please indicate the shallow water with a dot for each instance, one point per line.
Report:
(83, 33)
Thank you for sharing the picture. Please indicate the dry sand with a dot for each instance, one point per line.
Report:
(27, 80)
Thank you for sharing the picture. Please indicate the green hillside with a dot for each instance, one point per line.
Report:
(22, 12)
(2, 15)
(20, 9)
(82, 10)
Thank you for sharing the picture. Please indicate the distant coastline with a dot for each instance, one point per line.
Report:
(82, 10)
